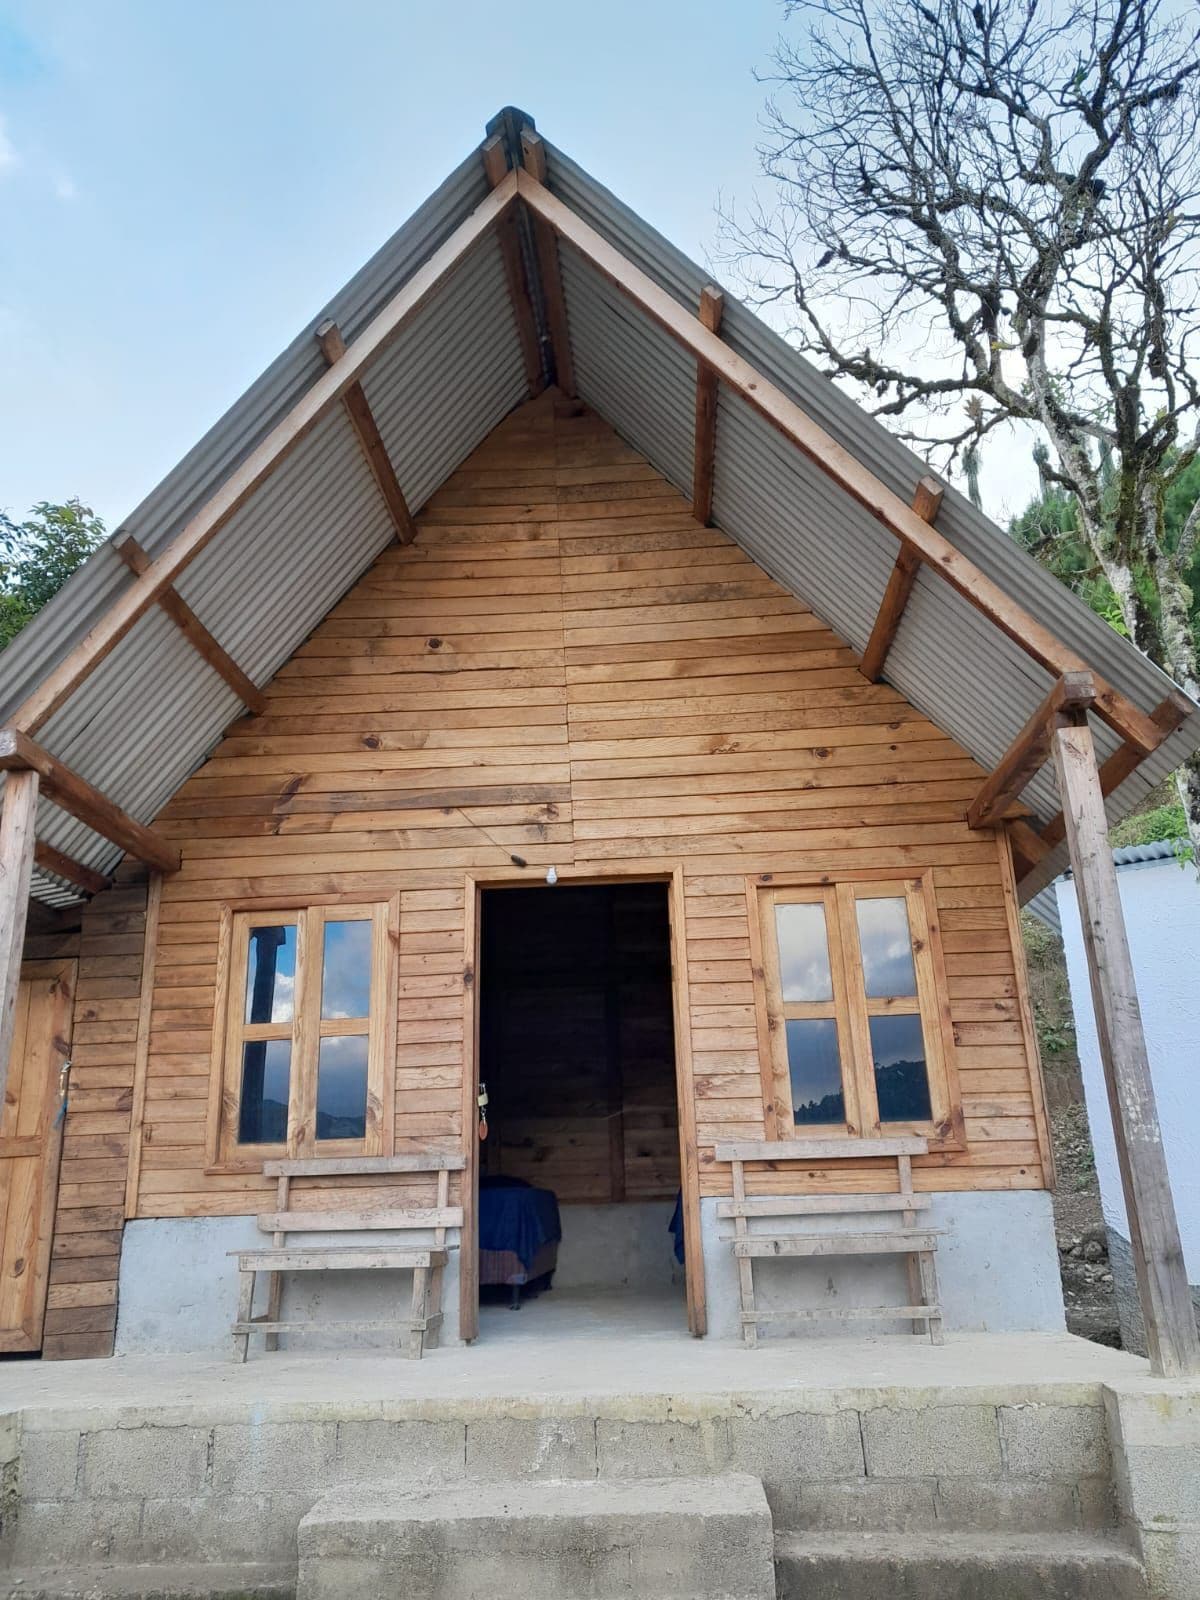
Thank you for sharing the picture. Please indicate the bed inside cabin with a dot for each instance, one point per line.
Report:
(577, 1054)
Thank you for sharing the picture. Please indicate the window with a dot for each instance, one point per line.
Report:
(304, 1044)
(854, 1010)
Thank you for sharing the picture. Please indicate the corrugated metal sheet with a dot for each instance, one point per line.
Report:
(148, 715)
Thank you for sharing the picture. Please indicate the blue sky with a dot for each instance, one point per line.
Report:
(183, 183)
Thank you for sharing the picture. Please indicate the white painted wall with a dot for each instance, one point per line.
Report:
(1161, 901)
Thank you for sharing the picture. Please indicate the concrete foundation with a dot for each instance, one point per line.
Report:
(997, 1267)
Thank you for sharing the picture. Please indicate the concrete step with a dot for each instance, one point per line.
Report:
(959, 1566)
(145, 1581)
(569, 1539)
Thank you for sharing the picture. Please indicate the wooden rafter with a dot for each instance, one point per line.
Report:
(927, 502)
(533, 152)
(712, 306)
(52, 860)
(1154, 1231)
(375, 453)
(858, 481)
(19, 753)
(495, 165)
(283, 438)
(1029, 750)
(197, 635)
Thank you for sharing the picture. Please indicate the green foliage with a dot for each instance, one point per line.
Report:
(1149, 827)
(37, 557)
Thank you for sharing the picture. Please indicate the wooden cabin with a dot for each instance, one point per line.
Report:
(544, 685)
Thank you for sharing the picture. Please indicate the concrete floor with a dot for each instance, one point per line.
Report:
(568, 1352)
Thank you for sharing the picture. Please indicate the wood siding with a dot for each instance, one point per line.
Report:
(565, 666)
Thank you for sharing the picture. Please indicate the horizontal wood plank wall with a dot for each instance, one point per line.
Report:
(566, 667)
(81, 1306)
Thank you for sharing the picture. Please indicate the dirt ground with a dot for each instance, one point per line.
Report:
(1082, 1242)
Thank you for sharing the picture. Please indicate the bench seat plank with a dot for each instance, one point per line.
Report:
(364, 1325)
(359, 1258)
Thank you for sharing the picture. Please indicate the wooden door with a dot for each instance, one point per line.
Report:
(30, 1144)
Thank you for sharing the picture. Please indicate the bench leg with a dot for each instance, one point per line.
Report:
(274, 1304)
(746, 1297)
(241, 1341)
(929, 1296)
(420, 1313)
(916, 1293)
(432, 1339)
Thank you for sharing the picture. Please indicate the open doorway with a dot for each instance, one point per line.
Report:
(577, 1052)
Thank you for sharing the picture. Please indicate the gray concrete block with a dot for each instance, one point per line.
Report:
(1097, 1502)
(273, 1457)
(531, 1447)
(991, 1504)
(413, 1450)
(1172, 1562)
(68, 1532)
(932, 1442)
(131, 1463)
(233, 1528)
(50, 1463)
(677, 1539)
(881, 1504)
(661, 1449)
(802, 1445)
(1063, 1442)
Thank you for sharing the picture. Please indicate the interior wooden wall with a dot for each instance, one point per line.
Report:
(566, 666)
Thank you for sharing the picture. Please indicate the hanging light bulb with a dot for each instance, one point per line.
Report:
(552, 876)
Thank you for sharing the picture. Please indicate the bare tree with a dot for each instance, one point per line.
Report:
(989, 211)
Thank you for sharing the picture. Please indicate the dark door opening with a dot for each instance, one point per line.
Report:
(577, 1052)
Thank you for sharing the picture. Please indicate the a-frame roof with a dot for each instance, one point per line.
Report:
(107, 682)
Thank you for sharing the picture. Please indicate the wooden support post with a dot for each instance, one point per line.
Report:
(833, 459)
(52, 860)
(495, 164)
(74, 794)
(197, 635)
(1157, 1251)
(927, 502)
(1029, 750)
(534, 154)
(362, 420)
(17, 824)
(712, 305)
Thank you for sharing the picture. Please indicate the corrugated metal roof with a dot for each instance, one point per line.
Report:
(149, 714)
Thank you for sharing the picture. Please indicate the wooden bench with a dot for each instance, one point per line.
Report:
(910, 1239)
(426, 1262)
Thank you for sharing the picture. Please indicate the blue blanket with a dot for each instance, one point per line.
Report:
(675, 1226)
(513, 1216)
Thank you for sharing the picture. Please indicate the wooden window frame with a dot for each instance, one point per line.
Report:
(305, 1030)
(852, 1008)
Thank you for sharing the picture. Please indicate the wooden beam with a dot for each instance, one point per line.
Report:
(362, 420)
(495, 165)
(1168, 715)
(17, 826)
(927, 502)
(75, 794)
(283, 438)
(712, 306)
(52, 860)
(1026, 842)
(533, 153)
(1029, 750)
(835, 461)
(197, 635)
(1153, 1229)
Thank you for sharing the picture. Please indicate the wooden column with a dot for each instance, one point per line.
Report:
(16, 869)
(1154, 1231)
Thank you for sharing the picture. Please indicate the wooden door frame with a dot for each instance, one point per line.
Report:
(689, 1162)
(64, 970)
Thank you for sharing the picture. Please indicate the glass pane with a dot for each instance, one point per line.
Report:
(266, 1071)
(901, 1079)
(271, 975)
(816, 1070)
(342, 1088)
(803, 951)
(886, 948)
(346, 974)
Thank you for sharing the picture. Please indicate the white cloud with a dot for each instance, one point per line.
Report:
(8, 152)
(64, 187)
